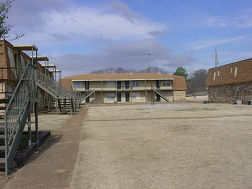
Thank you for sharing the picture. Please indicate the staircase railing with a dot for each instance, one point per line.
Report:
(87, 94)
(17, 113)
(161, 94)
(53, 86)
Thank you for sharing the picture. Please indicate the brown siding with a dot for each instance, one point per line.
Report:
(244, 73)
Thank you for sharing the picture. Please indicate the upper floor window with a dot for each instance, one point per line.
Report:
(78, 84)
(166, 83)
(231, 70)
(135, 83)
(214, 75)
(22, 61)
(218, 72)
(236, 70)
(110, 84)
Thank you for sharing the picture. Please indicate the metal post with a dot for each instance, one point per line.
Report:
(29, 128)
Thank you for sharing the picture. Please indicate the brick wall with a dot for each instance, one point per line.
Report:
(228, 93)
(179, 95)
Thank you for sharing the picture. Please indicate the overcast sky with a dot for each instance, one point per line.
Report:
(83, 35)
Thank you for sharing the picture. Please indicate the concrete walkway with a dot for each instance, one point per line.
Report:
(53, 166)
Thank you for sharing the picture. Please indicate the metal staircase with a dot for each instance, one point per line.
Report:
(16, 115)
(61, 93)
(87, 94)
(161, 95)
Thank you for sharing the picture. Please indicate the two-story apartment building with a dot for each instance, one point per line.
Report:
(230, 82)
(129, 87)
(13, 60)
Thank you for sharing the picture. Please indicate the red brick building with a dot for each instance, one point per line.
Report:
(12, 62)
(231, 82)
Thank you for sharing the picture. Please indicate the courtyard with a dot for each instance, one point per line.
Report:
(175, 145)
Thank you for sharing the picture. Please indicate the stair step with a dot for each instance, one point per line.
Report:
(2, 160)
(2, 108)
(4, 100)
(2, 147)
(2, 136)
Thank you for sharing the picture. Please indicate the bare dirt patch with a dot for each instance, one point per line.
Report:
(199, 146)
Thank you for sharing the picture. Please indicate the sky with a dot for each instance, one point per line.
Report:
(80, 36)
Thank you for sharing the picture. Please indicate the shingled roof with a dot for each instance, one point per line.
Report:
(179, 81)
(225, 74)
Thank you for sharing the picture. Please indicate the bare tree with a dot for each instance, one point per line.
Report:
(4, 27)
(121, 70)
(197, 81)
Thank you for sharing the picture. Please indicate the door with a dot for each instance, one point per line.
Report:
(158, 98)
(119, 97)
(127, 84)
(158, 84)
(86, 85)
(87, 100)
(119, 84)
(127, 97)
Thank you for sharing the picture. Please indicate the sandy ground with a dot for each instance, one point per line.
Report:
(187, 145)
(49, 121)
(52, 166)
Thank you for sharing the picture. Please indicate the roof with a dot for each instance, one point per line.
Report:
(226, 74)
(58, 71)
(41, 58)
(179, 81)
(26, 47)
(49, 66)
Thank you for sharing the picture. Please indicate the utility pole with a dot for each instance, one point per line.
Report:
(149, 53)
(216, 59)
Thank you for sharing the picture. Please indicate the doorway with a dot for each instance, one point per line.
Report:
(127, 97)
(119, 97)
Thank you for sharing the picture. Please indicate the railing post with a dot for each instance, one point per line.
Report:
(29, 127)
(36, 122)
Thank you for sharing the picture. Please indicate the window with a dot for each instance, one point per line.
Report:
(78, 84)
(166, 83)
(110, 96)
(135, 95)
(214, 75)
(218, 72)
(231, 70)
(22, 61)
(135, 83)
(236, 70)
(12, 61)
(110, 84)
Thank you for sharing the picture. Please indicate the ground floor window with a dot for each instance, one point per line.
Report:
(110, 96)
(135, 95)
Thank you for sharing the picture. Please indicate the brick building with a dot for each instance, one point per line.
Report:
(12, 62)
(131, 87)
(231, 82)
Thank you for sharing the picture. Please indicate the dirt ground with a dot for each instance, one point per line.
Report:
(175, 145)
(179, 145)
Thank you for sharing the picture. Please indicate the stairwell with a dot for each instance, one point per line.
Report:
(64, 96)
(17, 114)
(161, 95)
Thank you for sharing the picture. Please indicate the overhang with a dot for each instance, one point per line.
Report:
(26, 47)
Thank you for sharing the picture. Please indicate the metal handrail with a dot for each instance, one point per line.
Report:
(17, 112)
(54, 86)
